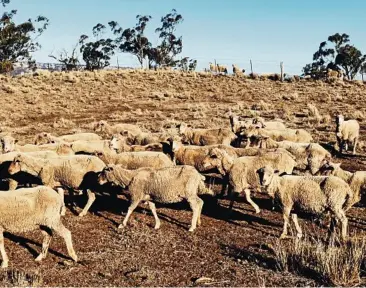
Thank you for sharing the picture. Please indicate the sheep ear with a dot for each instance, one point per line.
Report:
(277, 172)
(16, 141)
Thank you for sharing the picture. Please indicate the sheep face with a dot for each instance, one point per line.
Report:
(15, 166)
(65, 149)
(8, 144)
(42, 138)
(265, 175)
(317, 159)
(328, 168)
(116, 142)
(214, 160)
(100, 126)
(108, 175)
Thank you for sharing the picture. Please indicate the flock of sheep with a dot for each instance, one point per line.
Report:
(250, 155)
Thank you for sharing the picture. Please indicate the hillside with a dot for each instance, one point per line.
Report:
(230, 252)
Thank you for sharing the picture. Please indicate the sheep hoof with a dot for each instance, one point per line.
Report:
(283, 236)
(82, 214)
(121, 226)
(63, 211)
(39, 258)
(4, 265)
(191, 229)
(299, 235)
(257, 211)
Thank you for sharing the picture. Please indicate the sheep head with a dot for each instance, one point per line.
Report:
(100, 126)
(266, 177)
(41, 138)
(316, 157)
(8, 144)
(15, 165)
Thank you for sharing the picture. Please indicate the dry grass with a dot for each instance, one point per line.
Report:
(61, 103)
(331, 265)
(18, 278)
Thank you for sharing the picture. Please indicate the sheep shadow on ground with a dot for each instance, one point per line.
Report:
(26, 243)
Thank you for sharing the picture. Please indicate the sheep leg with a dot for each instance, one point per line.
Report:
(47, 236)
(286, 216)
(250, 201)
(13, 184)
(5, 262)
(91, 199)
(200, 203)
(354, 146)
(341, 216)
(65, 233)
(232, 199)
(194, 203)
(61, 192)
(153, 211)
(132, 207)
(333, 223)
(297, 226)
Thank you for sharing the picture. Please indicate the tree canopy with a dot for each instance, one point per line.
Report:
(337, 54)
(19, 41)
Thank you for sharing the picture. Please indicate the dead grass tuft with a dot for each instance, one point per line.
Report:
(20, 278)
(331, 265)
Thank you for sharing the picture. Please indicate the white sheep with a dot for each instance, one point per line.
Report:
(45, 138)
(167, 185)
(27, 209)
(135, 160)
(308, 156)
(204, 137)
(77, 172)
(60, 148)
(314, 194)
(90, 147)
(103, 126)
(241, 171)
(347, 132)
(356, 180)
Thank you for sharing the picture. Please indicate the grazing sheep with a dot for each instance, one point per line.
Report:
(135, 160)
(238, 126)
(356, 180)
(347, 132)
(309, 156)
(77, 172)
(241, 172)
(45, 138)
(315, 194)
(103, 126)
(204, 137)
(7, 143)
(237, 71)
(27, 209)
(62, 149)
(299, 135)
(143, 138)
(167, 185)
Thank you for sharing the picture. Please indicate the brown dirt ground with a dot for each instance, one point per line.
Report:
(230, 252)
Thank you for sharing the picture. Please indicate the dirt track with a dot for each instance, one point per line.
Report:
(231, 252)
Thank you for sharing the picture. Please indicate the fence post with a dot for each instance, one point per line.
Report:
(281, 66)
(251, 66)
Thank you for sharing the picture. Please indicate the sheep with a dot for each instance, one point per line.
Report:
(45, 138)
(144, 138)
(241, 171)
(20, 178)
(77, 172)
(90, 147)
(103, 126)
(25, 210)
(118, 144)
(221, 68)
(309, 156)
(204, 137)
(356, 180)
(347, 132)
(299, 135)
(135, 160)
(237, 71)
(62, 149)
(7, 143)
(238, 125)
(315, 194)
(213, 68)
(167, 185)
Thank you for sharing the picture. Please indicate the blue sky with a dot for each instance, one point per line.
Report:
(230, 31)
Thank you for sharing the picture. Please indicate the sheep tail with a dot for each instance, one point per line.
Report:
(202, 189)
